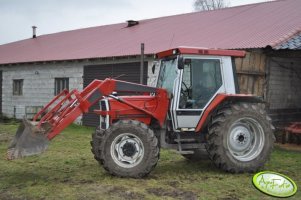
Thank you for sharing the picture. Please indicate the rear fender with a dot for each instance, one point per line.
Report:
(221, 99)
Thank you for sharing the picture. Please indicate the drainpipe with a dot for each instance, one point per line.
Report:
(142, 63)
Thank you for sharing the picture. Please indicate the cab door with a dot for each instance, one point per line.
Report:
(198, 83)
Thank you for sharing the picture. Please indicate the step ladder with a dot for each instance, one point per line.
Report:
(180, 145)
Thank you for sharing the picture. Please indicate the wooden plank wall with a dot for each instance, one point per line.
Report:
(251, 73)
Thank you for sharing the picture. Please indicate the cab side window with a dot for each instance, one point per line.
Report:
(201, 80)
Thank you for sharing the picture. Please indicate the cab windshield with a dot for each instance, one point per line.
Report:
(167, 74)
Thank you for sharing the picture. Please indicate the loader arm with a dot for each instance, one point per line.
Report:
(32, 137)
(74, 103)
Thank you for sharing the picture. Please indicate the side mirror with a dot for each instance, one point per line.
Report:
(180, 62)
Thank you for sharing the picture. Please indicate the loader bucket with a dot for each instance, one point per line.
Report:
(29, 140)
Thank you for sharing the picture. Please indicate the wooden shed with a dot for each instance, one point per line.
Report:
(274, 75)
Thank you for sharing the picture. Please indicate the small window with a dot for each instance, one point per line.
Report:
(18, 87)
(60, 84)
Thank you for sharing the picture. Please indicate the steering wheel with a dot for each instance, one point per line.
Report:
(186, 91)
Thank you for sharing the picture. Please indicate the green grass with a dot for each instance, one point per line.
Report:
(67, 170)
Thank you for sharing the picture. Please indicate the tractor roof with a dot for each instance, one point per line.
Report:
(201, 51)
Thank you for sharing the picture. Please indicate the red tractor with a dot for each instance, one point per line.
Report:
(194, 108)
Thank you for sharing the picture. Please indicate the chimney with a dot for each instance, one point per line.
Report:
(132, 23)
(34, 31)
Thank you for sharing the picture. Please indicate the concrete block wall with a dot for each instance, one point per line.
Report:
(38, 84)
(39, 81)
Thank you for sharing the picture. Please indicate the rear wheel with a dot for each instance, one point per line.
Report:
(128, 149)
(240, 138)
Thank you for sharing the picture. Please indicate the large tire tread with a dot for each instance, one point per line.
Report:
(97, 137)
(215, 146)
(143, 168)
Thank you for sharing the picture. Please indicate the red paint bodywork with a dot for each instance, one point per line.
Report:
(200, 51)
(141, 108)
(220, 98)
(147, 109)
(294, 128)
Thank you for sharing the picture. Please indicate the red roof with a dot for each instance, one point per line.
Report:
(250, 26)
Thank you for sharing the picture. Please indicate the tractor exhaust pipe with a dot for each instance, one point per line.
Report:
(29, 140)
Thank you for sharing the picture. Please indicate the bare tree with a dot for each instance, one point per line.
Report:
(200, 5)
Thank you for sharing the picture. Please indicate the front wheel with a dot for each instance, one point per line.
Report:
(129, 149)
(240, 138)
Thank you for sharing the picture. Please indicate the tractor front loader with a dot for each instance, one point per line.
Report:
(32, 136)
(196, 109)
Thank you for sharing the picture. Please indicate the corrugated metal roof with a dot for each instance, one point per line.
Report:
(292, 43)
(242, 27)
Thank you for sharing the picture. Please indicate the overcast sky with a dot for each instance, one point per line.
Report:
(50, 16)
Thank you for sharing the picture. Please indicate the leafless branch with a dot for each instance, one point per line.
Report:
(201, 5)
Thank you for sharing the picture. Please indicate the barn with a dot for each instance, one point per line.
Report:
(34, 70)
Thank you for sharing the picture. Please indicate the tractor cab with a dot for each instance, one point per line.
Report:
(194, 77)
